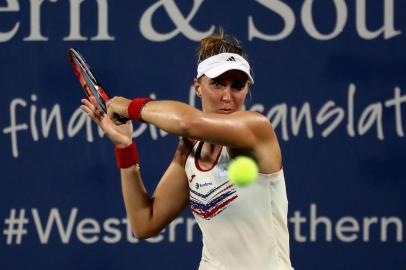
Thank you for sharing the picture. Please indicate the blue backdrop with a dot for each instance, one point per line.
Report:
(330, 75)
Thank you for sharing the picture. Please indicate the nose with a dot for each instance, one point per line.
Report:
(226, 93)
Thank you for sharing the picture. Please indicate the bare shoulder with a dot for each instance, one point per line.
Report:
(259, 125)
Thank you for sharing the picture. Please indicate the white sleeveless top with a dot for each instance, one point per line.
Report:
(243, 227)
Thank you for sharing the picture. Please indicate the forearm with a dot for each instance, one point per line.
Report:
(149, 215)
(180, 119)
(238, 129)
(137, 202)
(172, 116)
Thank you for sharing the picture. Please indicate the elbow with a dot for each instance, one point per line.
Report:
(143, 233)
(140, 235)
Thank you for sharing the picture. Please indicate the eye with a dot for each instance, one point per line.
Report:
(217, 83)
(239, 85)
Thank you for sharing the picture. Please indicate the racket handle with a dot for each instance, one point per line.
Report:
(120, 118)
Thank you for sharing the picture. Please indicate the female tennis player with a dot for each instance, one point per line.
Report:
(242, 227)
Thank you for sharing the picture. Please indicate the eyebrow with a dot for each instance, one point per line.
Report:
(231, 80)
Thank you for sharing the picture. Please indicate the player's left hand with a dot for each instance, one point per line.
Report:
(120, 134)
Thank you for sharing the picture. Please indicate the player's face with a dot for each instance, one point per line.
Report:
(223, 94)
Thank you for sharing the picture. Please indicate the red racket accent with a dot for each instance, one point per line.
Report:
(89, 83)
(103, 94)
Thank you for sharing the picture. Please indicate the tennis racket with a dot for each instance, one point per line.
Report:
(89, 82)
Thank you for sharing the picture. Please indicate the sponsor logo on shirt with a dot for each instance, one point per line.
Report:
(198, 185)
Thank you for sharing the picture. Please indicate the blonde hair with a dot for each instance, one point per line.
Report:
(219, 43)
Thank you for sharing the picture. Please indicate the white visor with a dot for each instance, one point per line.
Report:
(216, 65)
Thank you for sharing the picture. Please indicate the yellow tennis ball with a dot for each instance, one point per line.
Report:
(242, 171)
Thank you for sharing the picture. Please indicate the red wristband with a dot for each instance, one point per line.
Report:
(127, 156)
(135, 108)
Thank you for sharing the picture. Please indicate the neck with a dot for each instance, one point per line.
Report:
(209, 151)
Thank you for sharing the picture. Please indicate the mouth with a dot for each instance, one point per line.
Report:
(225, 110)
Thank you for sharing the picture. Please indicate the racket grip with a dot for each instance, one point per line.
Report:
(120, 118)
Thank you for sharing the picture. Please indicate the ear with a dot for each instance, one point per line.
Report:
(197, 86)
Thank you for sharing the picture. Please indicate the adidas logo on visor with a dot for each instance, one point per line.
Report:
(218, 64)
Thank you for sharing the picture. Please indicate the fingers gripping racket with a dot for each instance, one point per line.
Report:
(89, 83)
